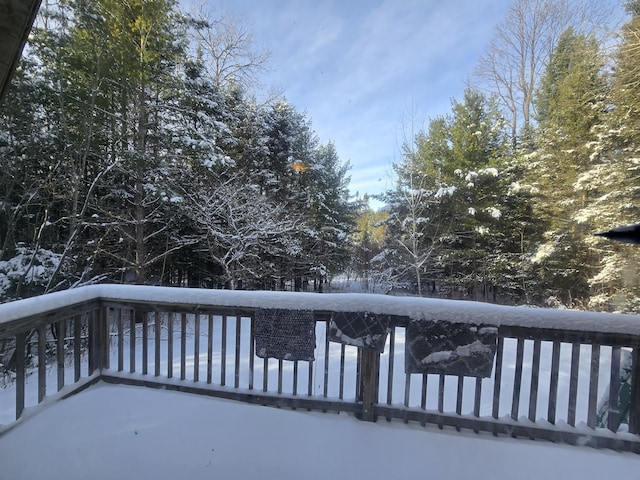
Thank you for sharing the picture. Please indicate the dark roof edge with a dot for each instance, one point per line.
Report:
(26, 29)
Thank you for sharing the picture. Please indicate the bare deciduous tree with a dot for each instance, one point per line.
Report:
(516, 57)
(228, 49)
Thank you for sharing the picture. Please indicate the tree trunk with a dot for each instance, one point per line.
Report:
(140, 252)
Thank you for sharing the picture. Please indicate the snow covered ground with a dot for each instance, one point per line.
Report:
(111, 432)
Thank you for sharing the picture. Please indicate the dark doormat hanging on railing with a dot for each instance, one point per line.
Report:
(285, 334)
(359, 329)
(450, 348)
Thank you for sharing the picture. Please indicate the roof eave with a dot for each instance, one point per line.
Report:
(16, 23)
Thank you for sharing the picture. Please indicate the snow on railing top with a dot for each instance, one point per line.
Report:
(412, 307)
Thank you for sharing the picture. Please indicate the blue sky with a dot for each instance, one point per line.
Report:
(361, 69)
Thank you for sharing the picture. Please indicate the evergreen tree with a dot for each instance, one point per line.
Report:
(570, 104)
(612, 179)
(329, 212)
(456, 219)
(367, 244)
(116, 145)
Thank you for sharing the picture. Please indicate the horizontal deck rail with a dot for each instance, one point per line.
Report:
(569, 377)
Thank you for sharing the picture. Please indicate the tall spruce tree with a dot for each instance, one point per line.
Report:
(613, 176)
(570, 103)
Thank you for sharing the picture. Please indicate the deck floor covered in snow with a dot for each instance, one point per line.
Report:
(118, 432)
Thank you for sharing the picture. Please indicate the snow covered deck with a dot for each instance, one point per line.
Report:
(465, 366)
(109, 432)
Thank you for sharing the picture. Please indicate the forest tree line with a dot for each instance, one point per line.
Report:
(499, 200)
(133, 152)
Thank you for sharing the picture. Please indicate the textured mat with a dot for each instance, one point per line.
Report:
(450, 348)
(285, 334)
(359, 329)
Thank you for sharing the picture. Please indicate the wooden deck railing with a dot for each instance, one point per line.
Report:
(547, 373)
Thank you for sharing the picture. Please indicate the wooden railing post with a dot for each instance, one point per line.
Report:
(98, 338)
(369, 378)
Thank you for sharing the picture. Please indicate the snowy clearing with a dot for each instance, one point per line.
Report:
(109, 432)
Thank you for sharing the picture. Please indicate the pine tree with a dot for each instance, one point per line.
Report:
(367, 244)
(613, 176)
(117, 145)
(329, 212)
(570, 104)
(457, 218)
(476, 153)
(128, 53)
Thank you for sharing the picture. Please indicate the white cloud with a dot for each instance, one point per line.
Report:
(354, 67)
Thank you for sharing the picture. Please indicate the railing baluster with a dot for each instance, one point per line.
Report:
(325, 389)
(497, 379)
(423, 397)
(196, 348)
(295, 378)
(553, 382)
(310, 379)
(132, 342)
(252, 355)
(593, 386)
(210, 348)
(223, 352)
(341, 387)
(265, 374)
(92, 344)
(614, 384)
(634, 408)
(109, 335)
(392, 344)
(170, 320)
(157, 344)
(517, 379)
(104, 323)
(60, 341)
(183, 346)
(358, 374)
(477, 399)
(42, 363)
(280, 364)
(441, 380)
(535, 379)
(120, 325)
(237, 359)
(573, 384)
(407, 393)
(407, 389)
(459, 396)
(77, 347)
(20, 354)
(145, 343)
